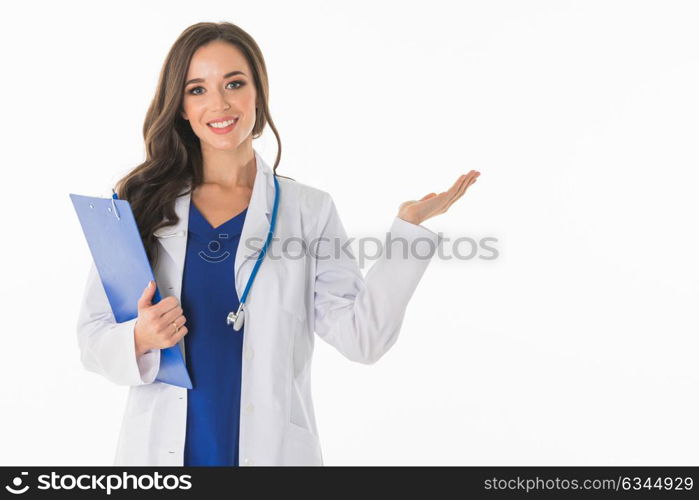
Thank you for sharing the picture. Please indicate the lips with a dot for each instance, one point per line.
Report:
(223, 130)
(223, 119)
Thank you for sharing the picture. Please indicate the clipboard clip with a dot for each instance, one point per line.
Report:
(115, 197)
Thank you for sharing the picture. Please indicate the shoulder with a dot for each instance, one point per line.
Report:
(313, 205)
(309, 199)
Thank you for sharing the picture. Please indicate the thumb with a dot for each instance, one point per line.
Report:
(428, 196)
(147, 296)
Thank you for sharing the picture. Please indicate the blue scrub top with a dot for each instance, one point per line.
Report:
(212, 348)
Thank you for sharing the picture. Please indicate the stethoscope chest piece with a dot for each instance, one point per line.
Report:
(236, 319)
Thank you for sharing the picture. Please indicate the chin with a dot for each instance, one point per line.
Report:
(224, 144)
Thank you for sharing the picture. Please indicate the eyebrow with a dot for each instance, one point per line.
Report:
(227, 75)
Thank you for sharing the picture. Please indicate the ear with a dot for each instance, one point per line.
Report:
(183, 114)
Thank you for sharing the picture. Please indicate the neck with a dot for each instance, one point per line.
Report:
(230, 169)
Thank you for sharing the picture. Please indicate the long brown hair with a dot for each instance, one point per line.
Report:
(173, 151)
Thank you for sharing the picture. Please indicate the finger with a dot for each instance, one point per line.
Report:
(166, 305)
(147, 296)
(470, 180)
(472, 175)
(180, 333)
(455, 187)
(466, 179)
(166, 324)
(171, 315)
(454, 190)
(461, 192)
(180, 323)
(473, 179)
(170, 329)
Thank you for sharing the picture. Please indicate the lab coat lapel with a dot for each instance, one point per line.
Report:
(254, 233)
(256, 224)
(174, 238)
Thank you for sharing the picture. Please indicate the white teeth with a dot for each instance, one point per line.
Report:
(222, 124)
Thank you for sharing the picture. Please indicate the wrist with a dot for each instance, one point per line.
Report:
(140, 349)
(409, 218)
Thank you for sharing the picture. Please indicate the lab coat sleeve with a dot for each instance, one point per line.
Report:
(361, 317)
(107, 347)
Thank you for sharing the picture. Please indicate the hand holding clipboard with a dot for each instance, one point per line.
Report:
(124, 270)
(159, 326)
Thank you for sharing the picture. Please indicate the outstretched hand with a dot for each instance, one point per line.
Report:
(418, 211)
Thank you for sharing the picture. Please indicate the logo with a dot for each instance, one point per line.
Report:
(214, 247)
(108, 483)
(17, 482)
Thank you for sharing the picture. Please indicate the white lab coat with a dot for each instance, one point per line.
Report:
(290, 299)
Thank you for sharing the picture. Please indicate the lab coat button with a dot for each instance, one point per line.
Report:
(249, 408)
(249, 353)
(247, 461)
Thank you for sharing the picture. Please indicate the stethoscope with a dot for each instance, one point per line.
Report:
(236, 319)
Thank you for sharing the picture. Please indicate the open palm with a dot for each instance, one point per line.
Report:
(418, 211)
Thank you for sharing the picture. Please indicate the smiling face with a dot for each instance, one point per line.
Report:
(219, 88)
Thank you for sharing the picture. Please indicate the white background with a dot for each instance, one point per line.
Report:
(576, 346)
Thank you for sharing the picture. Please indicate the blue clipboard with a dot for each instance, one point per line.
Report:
(122, 263)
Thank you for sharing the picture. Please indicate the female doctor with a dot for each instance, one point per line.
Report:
(205, 202)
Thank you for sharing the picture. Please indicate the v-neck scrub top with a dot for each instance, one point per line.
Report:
(212, 348)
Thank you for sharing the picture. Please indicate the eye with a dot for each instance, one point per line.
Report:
(240, 82)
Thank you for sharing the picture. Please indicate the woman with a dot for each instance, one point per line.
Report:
(203, 201)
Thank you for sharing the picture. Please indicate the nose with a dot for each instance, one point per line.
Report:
(218, 100)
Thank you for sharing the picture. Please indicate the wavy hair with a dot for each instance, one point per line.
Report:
(173, 151)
